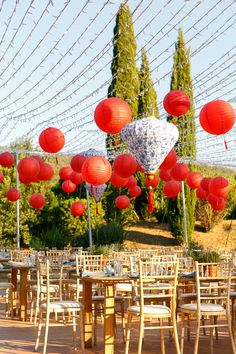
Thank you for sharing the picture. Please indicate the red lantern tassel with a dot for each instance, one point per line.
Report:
(150, 200)
(226, 146)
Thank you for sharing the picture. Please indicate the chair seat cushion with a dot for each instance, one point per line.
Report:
(100, 298)
(188, 295)
(151, 310)
(5, 285)
(124, 287)
(62, 306)
(52, 289)
(204, 307)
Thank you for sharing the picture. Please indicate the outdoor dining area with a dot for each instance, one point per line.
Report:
(135, 301)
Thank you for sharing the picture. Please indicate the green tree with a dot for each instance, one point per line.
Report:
(186, 146)
(125, 77)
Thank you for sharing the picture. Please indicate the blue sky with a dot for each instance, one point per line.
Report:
(55, 62)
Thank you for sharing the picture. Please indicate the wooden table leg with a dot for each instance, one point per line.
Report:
(14, 291)
(88, 316)
(23, 294)
(109, 319)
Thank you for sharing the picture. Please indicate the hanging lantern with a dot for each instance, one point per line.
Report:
(135, 191)
(217, 203)
(132, 182)
(122, 202)
(1, 177)
(96, 191)
(205, 182)
(219, 186)
(112, 114)
(165, 175)
(153, 183)
(217, 117)
(169, 161)
(68, 186)
(29, 168)
(6, 159)
(96, 170)
(51, 140)
(77, 162)
(13, 194)
(171, 189)
(180, 171)
(201, 193)
(125, 165)
(65, 172)
(37, 200)
(193, 179)
(149, 140)
(77, 208)
(24, 180)
(140, 169)
(76, 177)
(46, 172)
(118, 181)
(176, 103)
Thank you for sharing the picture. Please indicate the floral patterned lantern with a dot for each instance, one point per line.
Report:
(150, 140)
(96, 191)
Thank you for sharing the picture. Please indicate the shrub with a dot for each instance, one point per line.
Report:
(54, 237)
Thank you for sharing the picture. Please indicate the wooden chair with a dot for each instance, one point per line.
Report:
(212, 301)
(151, 288)
(6, 292)
(49, 305)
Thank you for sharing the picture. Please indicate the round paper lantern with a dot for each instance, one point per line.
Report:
(118, 181)
(179, 171)
(122, 202)
(205, 182)
(193, 179)
(77, 162)
(28, 167)
(13, 194)
(176, 103)
(135, 191)
(125, 165)
(112, 114)
(201, 193)
(217, 203)
(96, 191)
(170, 160)
(51, 140)
(217, 117)
(165, 175)
(68, 186)
(6, 159)
(1, 177)
(219, 186)
(153, 183)
(171, 189)
(24, 180)
(65, 172)
(96, 170)
(37, 200)
(132, 182)
(46, 172)
(76, 177)
(77, 208)
(139, 168)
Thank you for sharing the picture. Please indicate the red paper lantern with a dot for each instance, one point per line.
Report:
(37, 200)
(46, 172)
(77, 208)
(217, 203)
(13, 194)
(219, 186)
(193, 179)
(6, 159)
(135, 191)
(122, 202)
(76, 177)
(179, 171)
(96, 170)
(125, 165)
(132, 182)
(65, 172)
(171, 189)
(201, 193)
(217, 117)
(140, 169)
(1, 177)
(112, 114)
(169, 161)
(77, 162)
(205, 182)
(68, 186)
(176, 103)
(118, 181)
(29, 168)
(24, 180)
(165, 175)
(153, 183)
(51, 140)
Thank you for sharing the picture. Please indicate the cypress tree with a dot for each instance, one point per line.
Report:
(186, 146)
(125, 78)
